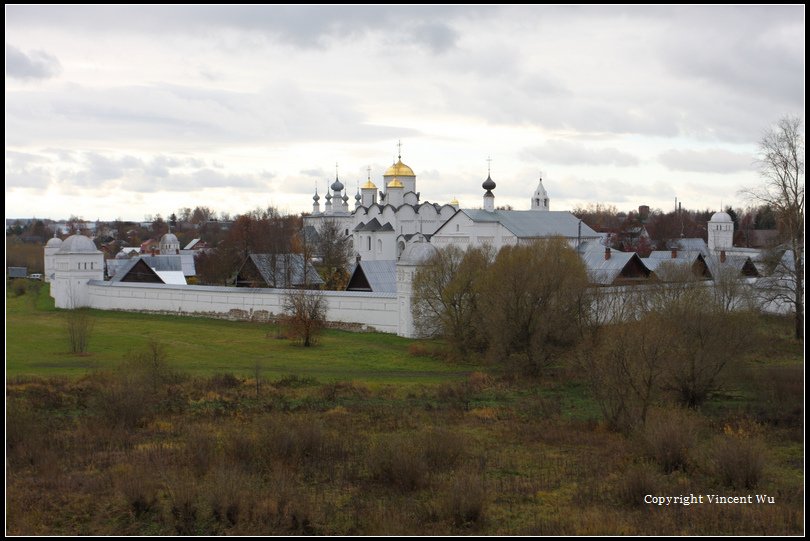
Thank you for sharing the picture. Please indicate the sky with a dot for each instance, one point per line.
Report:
(127, 112)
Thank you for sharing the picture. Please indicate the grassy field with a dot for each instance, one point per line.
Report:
(37, 345)
(365, 434)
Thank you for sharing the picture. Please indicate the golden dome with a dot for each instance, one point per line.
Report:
(369, 186)
(399, 169)
(454, 202)
(396, 183)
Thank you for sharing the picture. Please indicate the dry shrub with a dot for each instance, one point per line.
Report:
(344, 389)
(18, 287)
(739, 458)
(421, 349)
(222, 381)
(184, 506)
(397, 461)
(229, 496)
(292, 439)
(442, 448)
(201, 451)
(465, 501)
(668, 437)
(138, 487)
(295, 381)
(780, 395)
(639, 480)
(478, 381)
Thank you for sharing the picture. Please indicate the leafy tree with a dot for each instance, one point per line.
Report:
(447, 293)
(335, 250)
(531, 300)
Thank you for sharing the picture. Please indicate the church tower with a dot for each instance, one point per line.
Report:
(721, 232)
(540, 197)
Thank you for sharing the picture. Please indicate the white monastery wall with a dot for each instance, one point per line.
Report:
(373, 310)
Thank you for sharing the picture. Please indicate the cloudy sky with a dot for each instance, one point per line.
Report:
(122, 112)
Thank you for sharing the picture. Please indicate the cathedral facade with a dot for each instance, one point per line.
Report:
(386, 219)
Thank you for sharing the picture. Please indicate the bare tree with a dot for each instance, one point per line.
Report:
(335, 250)
(625, 364)
(79, 322)
(304, 315)
(781, 159)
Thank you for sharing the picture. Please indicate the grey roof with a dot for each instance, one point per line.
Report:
(18, 272)
(183, 262)
(738, 262)
(127, 266)
(76, 244)
(605, 271)
(380, 275)
(534, 223)
(190, 245)
(664, 257)
(690, 245)
(273, 268)
(416, 253)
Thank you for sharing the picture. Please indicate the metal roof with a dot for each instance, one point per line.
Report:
(605, 271)
(273, 269)
(380, 275)
(534, 223)
(190, 245)
(742, 264)
(171, 277)
(18, 272)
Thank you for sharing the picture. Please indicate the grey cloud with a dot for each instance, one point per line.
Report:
(707, 161)
(571, 153)
(303, 26)
(34, 65)
(186, 117)
(24, 170)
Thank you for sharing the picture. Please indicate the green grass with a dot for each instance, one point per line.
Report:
(36, 344)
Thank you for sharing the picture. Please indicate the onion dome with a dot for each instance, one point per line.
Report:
(369, 185)
(454, 202)
(316, 197)
(396, 183)
(337, 185)
(357, 196)
(488, 184)
(399, 169)
(328, 196)
(345, 197)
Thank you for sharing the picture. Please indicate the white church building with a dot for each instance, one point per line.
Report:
(384, 221)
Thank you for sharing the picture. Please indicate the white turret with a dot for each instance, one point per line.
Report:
(721, 232)
(75, 263)
(540, 197)
(415, 255)
(51, 247)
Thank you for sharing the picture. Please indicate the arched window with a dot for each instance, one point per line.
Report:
(400, 248)
(537, 202)
(379, 245)
(369, 243)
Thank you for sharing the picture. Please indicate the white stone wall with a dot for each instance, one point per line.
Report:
(374, 310)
